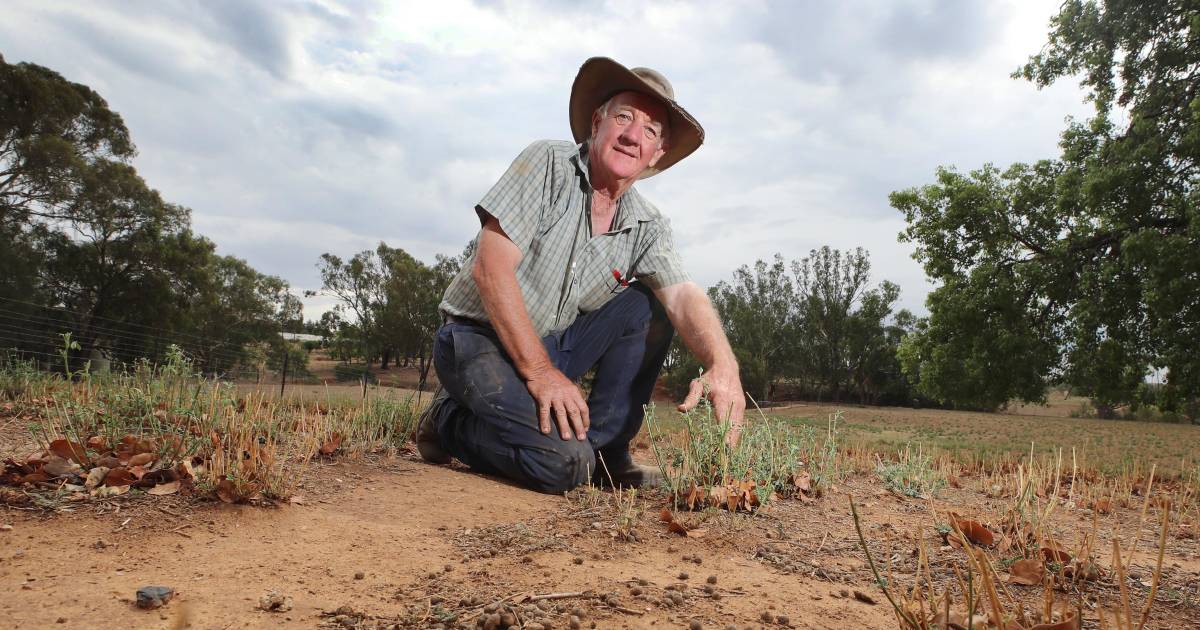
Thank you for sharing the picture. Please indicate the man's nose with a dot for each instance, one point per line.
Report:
(629, 135)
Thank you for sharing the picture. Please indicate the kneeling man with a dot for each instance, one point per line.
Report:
(575, 270)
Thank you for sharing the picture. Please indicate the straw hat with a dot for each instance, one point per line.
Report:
(600, 78)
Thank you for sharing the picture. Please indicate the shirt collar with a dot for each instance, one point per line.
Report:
(631, 208)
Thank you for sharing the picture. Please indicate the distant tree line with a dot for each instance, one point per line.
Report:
(87, 247)
(387, 305)
(813, 328)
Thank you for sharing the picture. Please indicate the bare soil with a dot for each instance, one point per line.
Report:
(397, 541)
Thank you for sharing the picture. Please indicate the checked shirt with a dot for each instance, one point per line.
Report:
(543, 203)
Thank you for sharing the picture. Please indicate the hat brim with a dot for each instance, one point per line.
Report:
(599, 79)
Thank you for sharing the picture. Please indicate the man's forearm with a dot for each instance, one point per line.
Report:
(506, 311)
(694, 317)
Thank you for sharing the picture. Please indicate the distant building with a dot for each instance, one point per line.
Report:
(301, 337)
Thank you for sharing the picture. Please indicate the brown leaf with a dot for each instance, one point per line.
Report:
(1102, 506)
(138, 472)
(67, 449)
(1028, 572)
(109, 491)
(97, 443)
(803, 482)
(227, 491)
(119, 477)
(141, 459)
(1070, 621)
(57, 466)
(973, 530)
(675, 527)
(665, 515)
(1053, 551)
(331, 445)
(164, 488)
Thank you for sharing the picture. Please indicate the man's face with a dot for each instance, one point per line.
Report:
(629, 136)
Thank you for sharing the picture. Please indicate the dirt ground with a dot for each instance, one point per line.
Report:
(401, 541)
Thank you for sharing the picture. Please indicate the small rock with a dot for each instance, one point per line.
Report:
(508, 620)
(844, 593)
(767, 617)
(712, 579)
(577, 560)
(635, 591)
(61, 620)
(149, 597)
(274, 601)
(683, 575)
(491, 622)
(18, 553)
(360, 575)
(782, 620)
(695, 625)
(575, 623)
(5, 528)
(526, 559)
(697, 559)
(578, 612)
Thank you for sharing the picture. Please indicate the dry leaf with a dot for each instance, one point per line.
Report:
(119, 477)
(1052, 551)
(227, 491)
(675, 527)
(109, 491)
(67, 449)
(141, 459)
(803, 482)
(1070, 622)
(1028, 572)
(97, 443)
(331, 445)
(973, 530)
(1102, 506)
(56, 466)
(164, 488)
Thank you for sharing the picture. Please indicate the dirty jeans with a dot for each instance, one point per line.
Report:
(490, 421)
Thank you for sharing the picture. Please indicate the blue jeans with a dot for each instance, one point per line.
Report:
(490, 421)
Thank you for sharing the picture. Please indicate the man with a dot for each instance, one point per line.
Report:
(575, 270)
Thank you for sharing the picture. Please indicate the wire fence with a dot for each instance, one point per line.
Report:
(56, 339)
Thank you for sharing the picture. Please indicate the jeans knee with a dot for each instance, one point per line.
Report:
(562, 467)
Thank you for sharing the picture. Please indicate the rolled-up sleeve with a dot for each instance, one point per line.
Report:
(518, 199)
(660, 265)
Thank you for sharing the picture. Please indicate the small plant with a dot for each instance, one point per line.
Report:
(913, 475)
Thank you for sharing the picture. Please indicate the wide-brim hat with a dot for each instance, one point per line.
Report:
(600, 78)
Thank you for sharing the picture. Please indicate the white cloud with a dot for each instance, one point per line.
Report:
(308, 127)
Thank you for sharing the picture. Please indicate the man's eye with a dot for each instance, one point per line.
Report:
(651, 133)
(624, 118)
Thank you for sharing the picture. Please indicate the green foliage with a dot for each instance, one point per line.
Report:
(816, 323)
(89, 248)
(912, 475)
(1082, 269)
(769, 453)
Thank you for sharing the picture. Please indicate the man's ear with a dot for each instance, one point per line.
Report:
(596, 118)
(661, 151)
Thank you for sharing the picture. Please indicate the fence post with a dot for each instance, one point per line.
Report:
(283, 374)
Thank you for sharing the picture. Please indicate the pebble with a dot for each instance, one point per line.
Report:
(695, 625)
(577, 560)
(767, 617)
(782, 620)
(712, 579)
(360, 575)
(575, 623)
(149, 597)
(683, 575)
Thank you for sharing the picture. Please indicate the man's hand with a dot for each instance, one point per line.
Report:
(727, 399)
(553, 391)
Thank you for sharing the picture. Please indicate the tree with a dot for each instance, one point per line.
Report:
(1085, 268)
(759, 313)
(841, 318)
(358, 284)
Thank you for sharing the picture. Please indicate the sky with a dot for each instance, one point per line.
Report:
(292, 129)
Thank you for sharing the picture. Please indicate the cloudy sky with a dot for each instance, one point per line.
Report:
(296, 128)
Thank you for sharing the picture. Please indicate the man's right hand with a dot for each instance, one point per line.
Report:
(554, 392)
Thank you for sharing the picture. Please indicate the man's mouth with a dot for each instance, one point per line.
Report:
(624, 152)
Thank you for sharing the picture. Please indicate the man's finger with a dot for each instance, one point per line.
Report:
(587, 414)
(544, 418)
(577, 422)
(694, 394)
(734, 434)
(560, 416)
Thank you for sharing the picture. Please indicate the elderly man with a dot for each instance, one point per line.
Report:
(575, 270)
